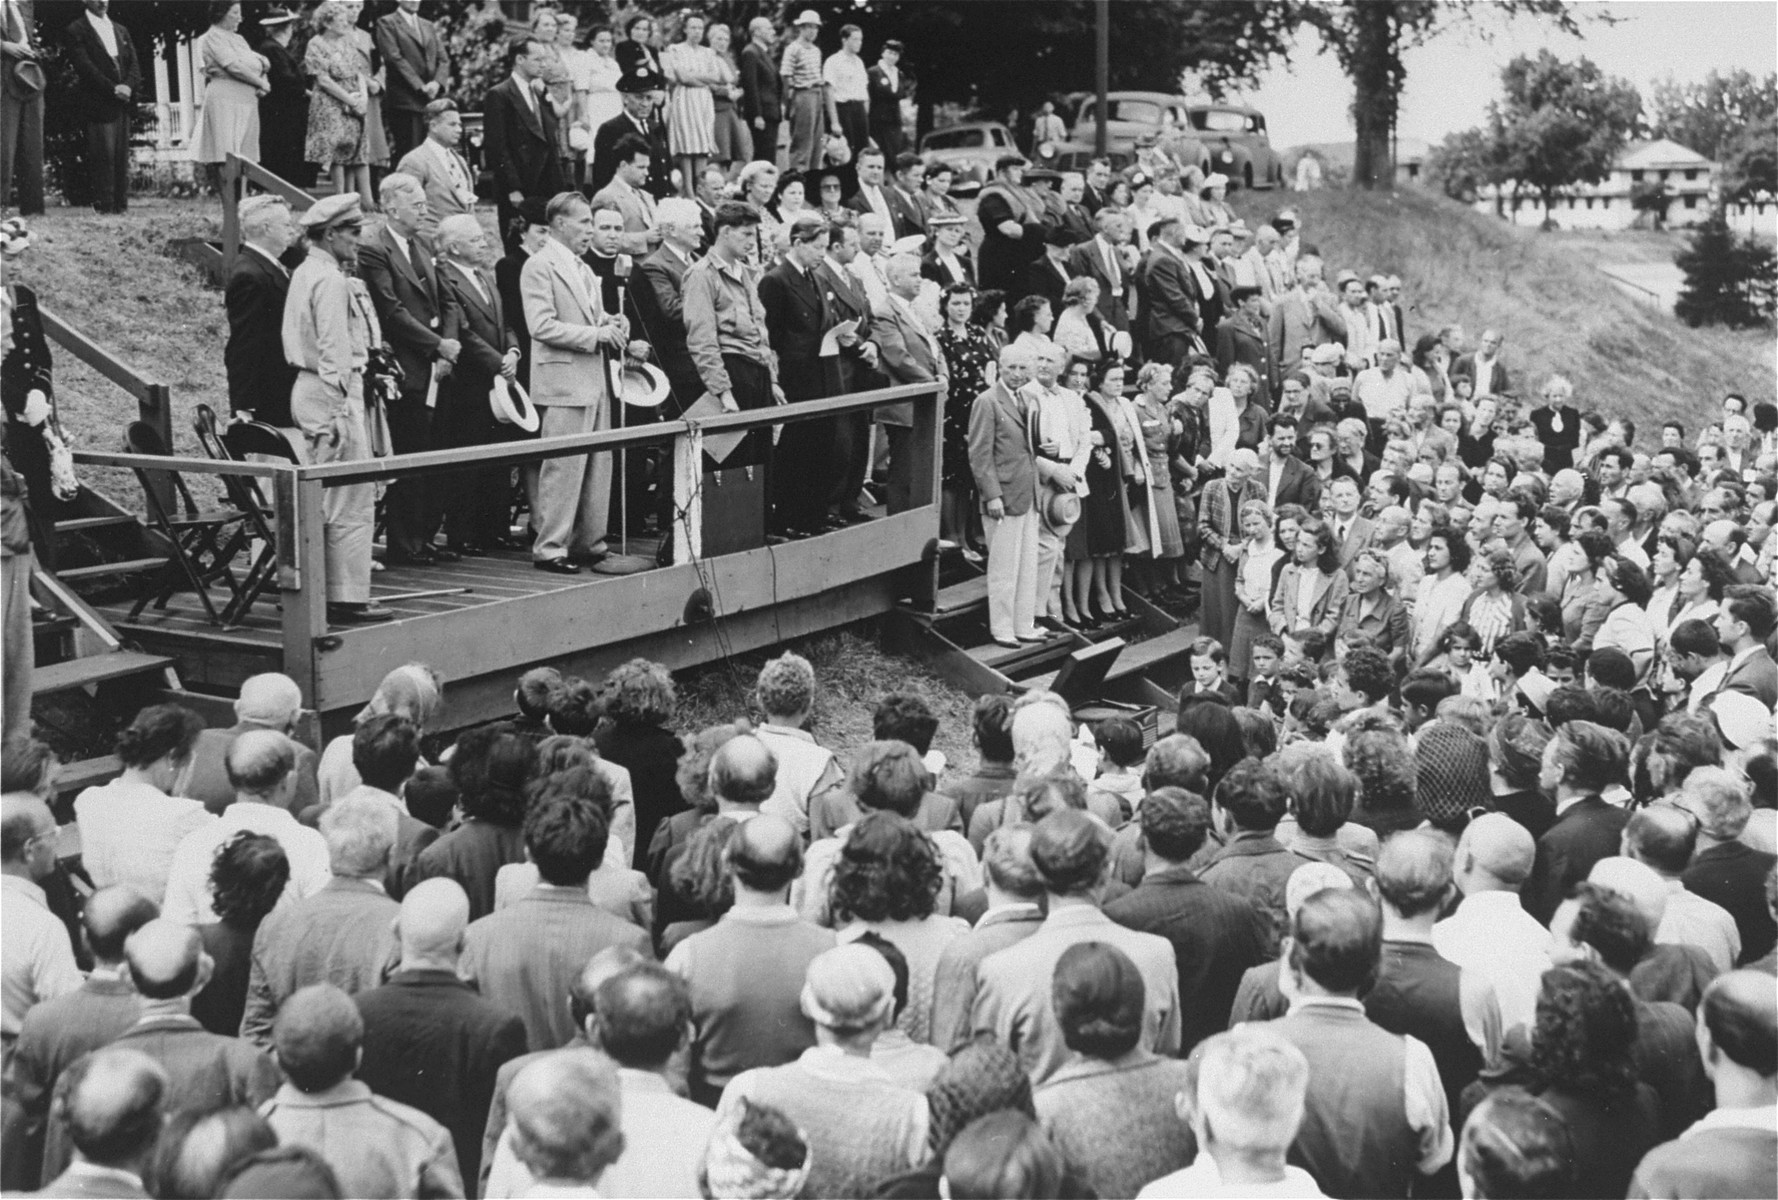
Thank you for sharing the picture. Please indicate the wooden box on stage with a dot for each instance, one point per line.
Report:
(734, 510)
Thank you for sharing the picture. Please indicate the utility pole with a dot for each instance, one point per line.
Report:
(1102, 75)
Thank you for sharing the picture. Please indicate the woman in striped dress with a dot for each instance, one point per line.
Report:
(691, 70)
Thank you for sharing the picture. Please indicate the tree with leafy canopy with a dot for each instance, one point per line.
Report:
(1461, 164)
(1370, 37)
(1558, 124)
(1729, 280)
(1731, 119)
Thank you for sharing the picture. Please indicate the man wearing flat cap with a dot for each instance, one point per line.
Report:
(329, 328)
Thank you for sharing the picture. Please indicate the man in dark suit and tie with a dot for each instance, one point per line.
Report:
(477, 502)
(419, 320)
(908, 354)
(21, 116)
(1287, 478)
(853, 369)
(1352, 531)
(874, 196)
(762, 91)
(657, 298)
(418, 72)
(796, 318)
(1743, 624)
(885, 84)
(108, 78)
(641, 92)
(1173, 320)
(259, 380)
(519, 139)
(1101, 258)
(1586, 759)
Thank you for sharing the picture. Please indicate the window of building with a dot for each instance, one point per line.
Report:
(1692, 174)
(1635, 176)
(1691, 202)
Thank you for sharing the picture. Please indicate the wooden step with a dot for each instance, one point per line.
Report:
(128, 566)
(77, 777)
(1142, 655)
(1026, 657)
(78, 524)
(95, 668)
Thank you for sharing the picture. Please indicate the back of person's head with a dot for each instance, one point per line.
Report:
(110, 916)
(1521, 651)
(384, 750)
(258, 762)
(889, 776)
(1498, 847)
(567, 831)
(1413, 871)
(1322, 791)
(992, 720)
(1585, 1031)
(292, 1172)
(491, 766)
(1608, 666)
(764, 854)
(644, 1014)
(744, 771)
(1098, 996)
(537, 690)
(1250, 1093)
(1740, 1017)
(1617, 709)
(1036, 794)
(785, 687)
(565, 1116)
(1259, 735)
(1210, 722)
(887, 870)
(1254, 796)
(317, 1036)
(247, 879)
(414, 690)
(1003, 1156)
(606, 964)
(1377, 750)
(1571, 703)
(758, 1151)
(1515, 1147)
(1175, 824)
(574, 708)
(199, 1149)
(1637, 882)
(167, 959)
(1591, 757)
(1120, 739)
(112, 1103)
(903, 717)
(849, 989)
(981, 1077)
(1369, 673)
(1719, 801)
(1335, 940)
(1515, 749)
(1609, 923)
(1042, 732)
(1426, 688)
(1663, 836)
(434, 914)
(431, 796)
(1070, 853)
(1176, 760)
(361, 832)
(159, 731)
(1007, 864)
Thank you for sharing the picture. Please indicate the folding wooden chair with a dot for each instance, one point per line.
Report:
(202, 543)
(233, 444)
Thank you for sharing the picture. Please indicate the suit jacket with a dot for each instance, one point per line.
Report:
(906, 353)
(567, 363)
(414, 311)
(1044, 278)
(846, 301)
(431, 1043)
(1296, 322)
(1734, 875)
(54, 1034)
(657, 293)
(78, 1183)
(259, 380)
(481, 326)
(1465, 366)
(1088, 259)
(1001, 455)
(762, 92)
(932, 267)
(906, 217)
(97, 74)
(637, 208)
(796, 317)
(1587, 831)
(1239, 342)
(1297, 485)
(1358, 537)
(429, 162)
(885, 99)
(519, 144)
(660, 162)
(953, 985)
(1170, 296)
(414, 60)
(1325, 603)
(208, 782)
(1757, 676)
(341, 935)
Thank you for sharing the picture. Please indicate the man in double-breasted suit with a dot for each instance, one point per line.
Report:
(259, 380)
(657, 297)
(796, 320)
(476, 503)
(519, 139)
(419, 320)
(1101, 259)
(21, 116)
(419, 70)
(1172, 299)
(908, 354)
(762, 92)
(1003, 459)
(104, 61)
(854, 369)
(571, 333)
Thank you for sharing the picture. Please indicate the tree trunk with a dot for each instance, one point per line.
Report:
(1376, 93)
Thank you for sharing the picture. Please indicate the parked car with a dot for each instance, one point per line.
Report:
(970, 150)
(1239, 147)
(1078, 156)
(1133, 114)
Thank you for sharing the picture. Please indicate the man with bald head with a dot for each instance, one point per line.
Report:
(1490, 932)
(205, 1071)
(1732, 1151)
(566, 1118)
(261, 766)
(745, 973)
(36, 958)
(429, 1040)
(57, 1032)
(743, 775)
(270, 701)
(375, 1146)
(113, 1107)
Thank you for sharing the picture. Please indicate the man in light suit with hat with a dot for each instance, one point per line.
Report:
(1003, 459)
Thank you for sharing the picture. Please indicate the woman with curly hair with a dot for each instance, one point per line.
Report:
(1621, 588)
(699, 878)
(1494, 608)
(1582, 1054)
(492, 767)
(1378, 752)
(131, 827)
(637, 735)
(673, 835)
(1311, 590)
(246, 881)
(887, 880)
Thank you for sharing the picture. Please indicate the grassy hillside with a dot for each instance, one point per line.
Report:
(1558, 313)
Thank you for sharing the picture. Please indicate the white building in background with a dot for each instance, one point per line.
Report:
(1687, 178)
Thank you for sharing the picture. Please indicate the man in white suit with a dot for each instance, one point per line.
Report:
(436, 163)
(569, 328)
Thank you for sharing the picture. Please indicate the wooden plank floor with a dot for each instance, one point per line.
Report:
(502, 575)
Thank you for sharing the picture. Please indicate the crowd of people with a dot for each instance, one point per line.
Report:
(1374, 942)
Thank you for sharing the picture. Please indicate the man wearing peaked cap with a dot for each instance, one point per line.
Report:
(639, 90)
(329, 328)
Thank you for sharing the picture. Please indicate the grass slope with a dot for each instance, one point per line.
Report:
(1542, 291)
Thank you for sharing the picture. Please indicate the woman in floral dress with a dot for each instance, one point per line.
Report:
(691, 70)
(336, 137)
(969, 362)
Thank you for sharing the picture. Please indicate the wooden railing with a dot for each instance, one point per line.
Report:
(154, 399)
(236, 173)
(298, 490)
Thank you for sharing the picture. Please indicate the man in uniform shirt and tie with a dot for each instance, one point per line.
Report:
(329, 328)
(435, 162)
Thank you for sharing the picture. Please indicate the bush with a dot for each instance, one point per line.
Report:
(1729, 280)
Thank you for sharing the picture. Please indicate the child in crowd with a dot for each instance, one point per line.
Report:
(1210, 671)
(1460, 644)
(1121, 755)
(1266, 689)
